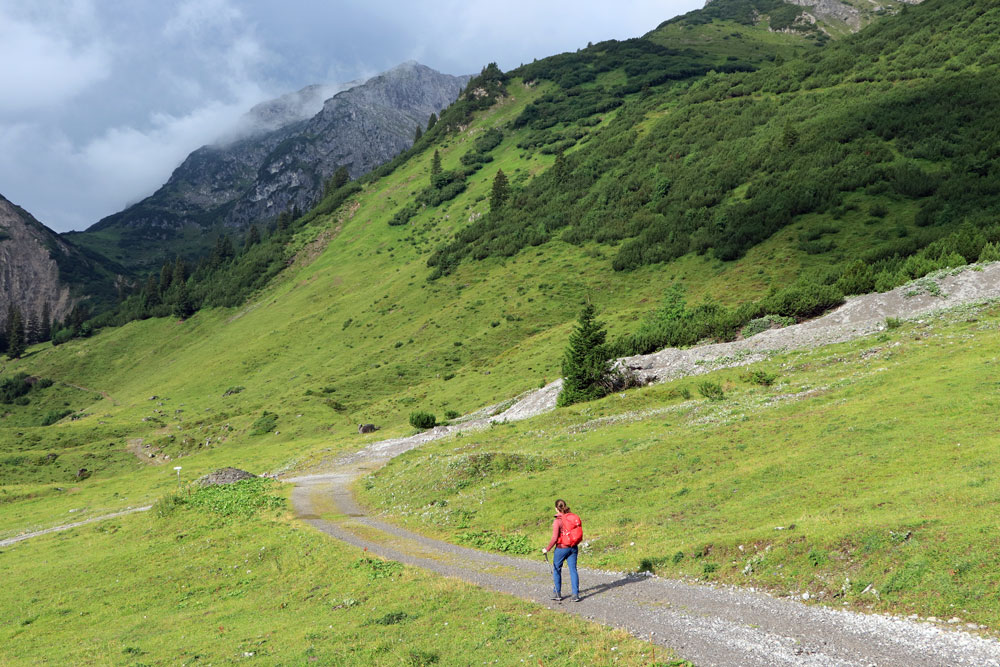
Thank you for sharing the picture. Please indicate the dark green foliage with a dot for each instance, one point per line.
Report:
(743, 154)
(432, 121)
(677, 325)
(14, 387)
(418, 135)
(500, 192)
(403, 215)
(711, 390)
(52, 416)
(435, 166)
(16, 337)
(264, 424)
(586, 362)
(392, 618)
(759, 376)
(422, 420)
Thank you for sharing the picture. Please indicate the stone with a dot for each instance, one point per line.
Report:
(225, 476)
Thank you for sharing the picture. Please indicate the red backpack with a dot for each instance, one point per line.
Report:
(571, 530)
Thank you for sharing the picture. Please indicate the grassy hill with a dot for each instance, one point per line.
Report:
(633, 167)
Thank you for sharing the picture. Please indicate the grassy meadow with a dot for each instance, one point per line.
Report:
(223, 576)
(861, 474)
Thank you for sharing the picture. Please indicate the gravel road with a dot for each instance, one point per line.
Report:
(708, 625)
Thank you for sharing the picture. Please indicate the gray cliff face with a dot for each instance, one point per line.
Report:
(258, 176)
(29, 272)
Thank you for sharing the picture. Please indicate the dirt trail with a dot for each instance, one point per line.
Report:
(711, 626)
(66, 526)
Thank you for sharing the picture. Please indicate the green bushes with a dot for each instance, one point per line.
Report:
(52, 416)
(510, 543)
(762, 324)
(422, 420)
(264, 424)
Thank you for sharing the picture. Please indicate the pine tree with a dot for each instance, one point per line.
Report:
(339, 179)
(417, 135)
(253, 238)
(432, 121)
(180, 272)
(435, 165)
(45, 324)
(183, 306)
(284, 219)
(16, 342)
(31, 329)
(166, 276)
(501, 191)
(586, 361)
(559, 170)
(3, 329)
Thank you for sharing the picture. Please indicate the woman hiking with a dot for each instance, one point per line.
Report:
(567, 531)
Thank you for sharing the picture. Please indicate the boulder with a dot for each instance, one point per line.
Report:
(225, 476)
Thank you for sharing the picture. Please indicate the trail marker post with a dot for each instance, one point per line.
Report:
(178, 469)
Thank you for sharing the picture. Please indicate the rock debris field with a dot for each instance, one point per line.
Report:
(707, 625)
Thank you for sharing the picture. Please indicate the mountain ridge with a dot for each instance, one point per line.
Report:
(226, 187)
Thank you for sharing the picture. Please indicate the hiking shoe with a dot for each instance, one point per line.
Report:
(556, 597)
(576, 598)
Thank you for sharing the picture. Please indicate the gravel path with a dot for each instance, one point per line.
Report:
(710, 626)
(67, 526)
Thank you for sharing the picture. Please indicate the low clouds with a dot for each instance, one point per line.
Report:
(100, 101)
(43, 65)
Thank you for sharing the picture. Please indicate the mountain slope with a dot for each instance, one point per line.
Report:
(42, 273)
(874, 151)
(254, 178)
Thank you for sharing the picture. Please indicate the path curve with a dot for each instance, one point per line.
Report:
(711, 626)
(66, 526)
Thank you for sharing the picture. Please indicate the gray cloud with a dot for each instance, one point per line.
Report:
(108, 96)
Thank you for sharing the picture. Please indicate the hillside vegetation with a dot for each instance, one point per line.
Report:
(639, 176)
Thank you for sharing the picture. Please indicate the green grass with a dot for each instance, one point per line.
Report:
(222, 575)
(864, 474)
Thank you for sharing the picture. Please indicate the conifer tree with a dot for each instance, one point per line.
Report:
(3, 328)
(253, 238)
(339, 179)
(418, 135)
(435, 165)
(183, 307)
(559, 170)
(45, 324)
(16, 341)
(501, 191)
(166, 276)
(284, 218)
(180, 272)
(432, 121)
(586, 361)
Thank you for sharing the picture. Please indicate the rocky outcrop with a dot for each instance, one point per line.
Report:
(852, 14)
(29, 270)
(283, 162)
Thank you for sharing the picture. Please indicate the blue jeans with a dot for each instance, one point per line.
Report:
(567, 554)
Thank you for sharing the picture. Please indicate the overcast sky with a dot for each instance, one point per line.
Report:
(101, 99)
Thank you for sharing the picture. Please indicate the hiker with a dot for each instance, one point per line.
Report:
(567, 531)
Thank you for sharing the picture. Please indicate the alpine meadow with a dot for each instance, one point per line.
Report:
(453, 336)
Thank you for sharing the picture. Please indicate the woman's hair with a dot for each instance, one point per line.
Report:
(561, 506)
